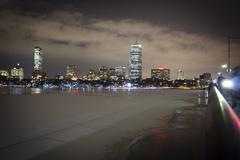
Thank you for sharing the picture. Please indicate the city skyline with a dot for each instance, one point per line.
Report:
(71, 72)
(78, 34)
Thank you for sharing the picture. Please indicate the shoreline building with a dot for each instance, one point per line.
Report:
(92, 75)
(38, 75)
(120, 72)
(17, 72)
(135, 62)
(103, 73)
(160, 73)
(180, 75)
(71, 72)
(4, 73)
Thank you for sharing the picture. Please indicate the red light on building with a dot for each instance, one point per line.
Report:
(161, 68)
(160, 73)
(74, 78)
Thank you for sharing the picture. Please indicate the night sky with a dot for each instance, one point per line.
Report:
(187, 35)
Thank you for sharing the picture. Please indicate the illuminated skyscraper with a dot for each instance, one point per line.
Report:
(38, 59)
(160, 73)
(38, 75)
(135, 62)
(180, 75)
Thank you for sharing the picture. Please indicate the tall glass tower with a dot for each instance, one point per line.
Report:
(135, 62)
(38, 59)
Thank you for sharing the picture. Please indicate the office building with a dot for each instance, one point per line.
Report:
(92, 75)
(180, 75)
(120, 72)
(38, 59)
(72, 72)
(4, 73)
(103, 73)
(112, 74)
(160, 73)
(38, 75)
(135, 62)
(17, 72)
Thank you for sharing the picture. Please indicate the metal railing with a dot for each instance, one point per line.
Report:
(223, 128)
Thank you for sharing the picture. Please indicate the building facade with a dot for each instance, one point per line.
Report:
(160, 73)
(92, 75)
(135, 62)
(103, 73)
(17, 72)
(38, 59)
(180, 75)
(4, 73)
(38, 75)
(71, 72)
(120, 72)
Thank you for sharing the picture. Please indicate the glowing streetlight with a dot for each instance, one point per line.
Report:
(227, 83)
(229, 47)
(224, 66)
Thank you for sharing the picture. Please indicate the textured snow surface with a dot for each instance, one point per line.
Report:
(33, 124)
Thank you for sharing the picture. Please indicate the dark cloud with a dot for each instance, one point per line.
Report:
(83, 44)
(189, 36)
(58, 42)
(218, 18)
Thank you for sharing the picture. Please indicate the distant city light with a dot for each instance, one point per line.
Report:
(129, 85)
(74, 78)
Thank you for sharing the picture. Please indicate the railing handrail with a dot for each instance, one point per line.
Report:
(223, 128)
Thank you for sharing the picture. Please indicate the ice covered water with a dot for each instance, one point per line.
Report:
(39, 120)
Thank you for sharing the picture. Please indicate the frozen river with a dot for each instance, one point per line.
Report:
(79, 124)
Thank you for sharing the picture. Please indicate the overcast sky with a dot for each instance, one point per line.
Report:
(186, 35)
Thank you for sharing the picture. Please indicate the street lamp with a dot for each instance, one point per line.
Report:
(224, 66)
(229, 47)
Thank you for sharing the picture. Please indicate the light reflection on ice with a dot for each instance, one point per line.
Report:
(84, 90)
(36, 90)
